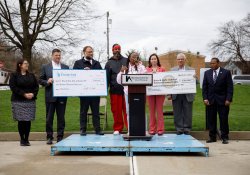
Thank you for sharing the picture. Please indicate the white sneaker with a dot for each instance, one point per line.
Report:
(116, 133)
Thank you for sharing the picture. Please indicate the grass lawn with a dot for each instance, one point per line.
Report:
(239, 116)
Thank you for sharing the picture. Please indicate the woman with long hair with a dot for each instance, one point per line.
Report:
(155, 102)
(24, 87)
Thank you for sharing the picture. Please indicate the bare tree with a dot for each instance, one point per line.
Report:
(99, 50)
(43, 22)
(246, 26)
(232, 43)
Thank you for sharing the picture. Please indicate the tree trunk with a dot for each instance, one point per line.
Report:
(27, 55)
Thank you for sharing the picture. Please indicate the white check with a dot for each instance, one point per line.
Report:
(173, 82)
(69, 82)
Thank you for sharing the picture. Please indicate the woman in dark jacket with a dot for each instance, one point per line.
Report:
(24, 87)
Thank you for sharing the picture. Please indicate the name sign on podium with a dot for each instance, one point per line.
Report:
(137, 99)
(137, 79)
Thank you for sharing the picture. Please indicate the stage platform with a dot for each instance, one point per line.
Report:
(115, 143)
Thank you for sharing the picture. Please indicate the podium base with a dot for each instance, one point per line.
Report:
(129, 138)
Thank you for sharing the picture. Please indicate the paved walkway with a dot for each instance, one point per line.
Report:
(228, 159)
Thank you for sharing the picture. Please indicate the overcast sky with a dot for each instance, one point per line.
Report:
(165, 24)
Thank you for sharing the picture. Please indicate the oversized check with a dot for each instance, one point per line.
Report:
(69, 82)
(173, 82)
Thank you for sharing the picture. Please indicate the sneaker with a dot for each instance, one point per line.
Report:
(116, 133)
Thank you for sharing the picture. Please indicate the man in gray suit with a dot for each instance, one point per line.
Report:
(53, 104)
(182, 103)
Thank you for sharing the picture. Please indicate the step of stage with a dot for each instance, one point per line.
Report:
(116, 143)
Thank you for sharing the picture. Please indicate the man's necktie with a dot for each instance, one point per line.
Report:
(215, 76)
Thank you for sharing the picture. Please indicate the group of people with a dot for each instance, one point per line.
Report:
(217, 93)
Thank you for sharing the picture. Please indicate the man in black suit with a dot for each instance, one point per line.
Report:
(53, 103)
(87, 62)
(217, 91)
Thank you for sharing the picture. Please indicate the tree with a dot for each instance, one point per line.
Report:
(43, 22)
(233, 43)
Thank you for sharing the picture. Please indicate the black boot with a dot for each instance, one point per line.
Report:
(22, 142)
(27, 133)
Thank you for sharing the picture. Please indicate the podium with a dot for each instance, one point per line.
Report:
(137, 99)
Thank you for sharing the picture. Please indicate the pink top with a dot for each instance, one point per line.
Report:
(159, 69)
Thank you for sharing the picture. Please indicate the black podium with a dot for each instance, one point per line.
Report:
(137, 99)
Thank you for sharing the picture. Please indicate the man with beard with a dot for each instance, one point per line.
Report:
(87, 62)
(117, 101)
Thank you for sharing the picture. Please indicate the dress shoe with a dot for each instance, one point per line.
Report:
(99, 133)
(224, 141)
(83, 133)
(160, 133)
(152, 133)
(49, 141)
(187, 132)
(59, 139)
(211, 140)
(179, 132)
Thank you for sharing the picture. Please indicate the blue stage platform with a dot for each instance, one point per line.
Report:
(115, 143)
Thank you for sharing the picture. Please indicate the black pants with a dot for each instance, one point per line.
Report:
(223, 112)
(24, 129)
(93, 102)
(58, 107)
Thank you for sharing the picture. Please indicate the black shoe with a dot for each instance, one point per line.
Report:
(59, 139)
(49, 141)
(179, 132)
(187, 132)
(83, 133)
(22, 143)
(224, 141)
(27, 143)
(99, 133)
(211, 140)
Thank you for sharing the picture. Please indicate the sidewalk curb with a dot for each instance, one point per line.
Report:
(200, 135)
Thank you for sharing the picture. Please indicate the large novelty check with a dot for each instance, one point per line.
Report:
(68, 82)
(173, 82)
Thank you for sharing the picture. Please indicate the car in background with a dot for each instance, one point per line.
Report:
(241, 79)
(4, 77)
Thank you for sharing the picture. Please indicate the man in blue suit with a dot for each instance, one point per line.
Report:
(53, 104)
(217, 91)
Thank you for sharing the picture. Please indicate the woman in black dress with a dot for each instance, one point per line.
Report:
(24, 87)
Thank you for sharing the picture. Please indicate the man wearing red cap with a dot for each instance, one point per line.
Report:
(117, 101)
